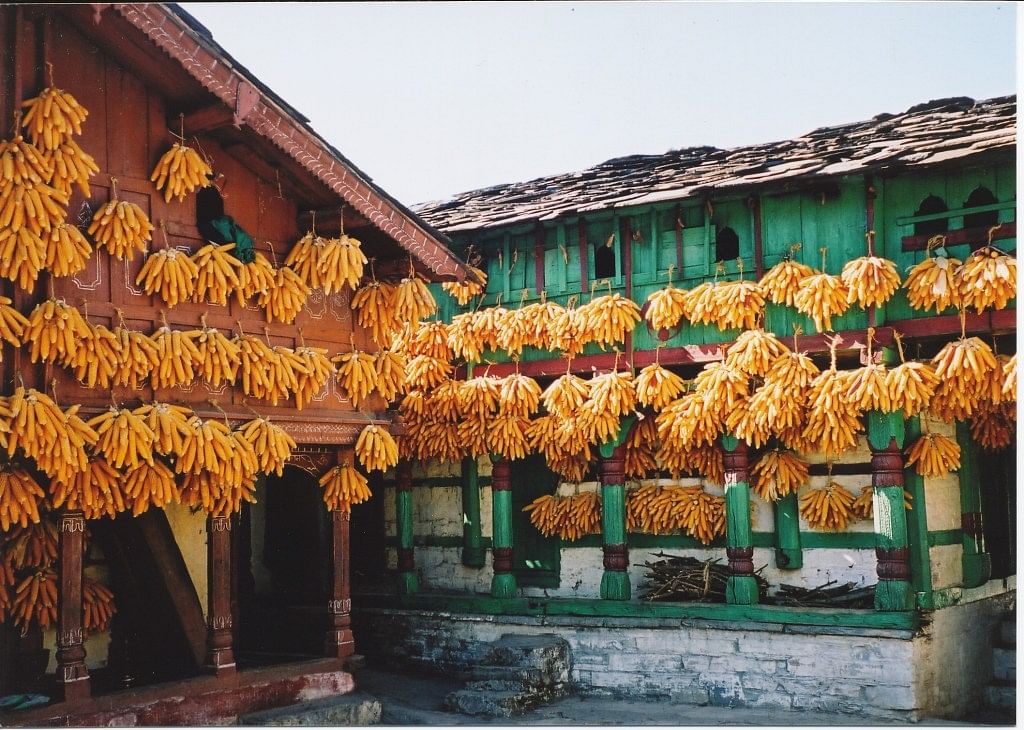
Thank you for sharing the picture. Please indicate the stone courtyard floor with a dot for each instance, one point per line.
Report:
(412, 699)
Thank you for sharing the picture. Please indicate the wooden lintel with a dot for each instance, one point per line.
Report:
(201, 120)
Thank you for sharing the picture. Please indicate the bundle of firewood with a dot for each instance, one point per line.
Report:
(827, 595)
(677, 578)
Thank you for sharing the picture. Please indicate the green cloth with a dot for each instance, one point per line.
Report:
(225, 230)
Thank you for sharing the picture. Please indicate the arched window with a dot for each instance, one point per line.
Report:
(978, 197)
(209, 205)
(931, 204)
(604, 261)
(727, 245)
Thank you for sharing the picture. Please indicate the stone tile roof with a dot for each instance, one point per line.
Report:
(926, 134)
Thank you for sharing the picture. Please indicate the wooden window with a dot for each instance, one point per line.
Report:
(930, 205)
(604, 261)
(727, 244)
(980, 196)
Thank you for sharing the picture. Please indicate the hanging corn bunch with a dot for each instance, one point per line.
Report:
(992, 426)
(22, 165)
(867, 387)
(179, 171)
(357, 375)
(219, 357)
(344, 486)
(413, 300)
(828, 508)
(35, 599)
(687, 423)
(777, 474)
(992, 390)
(95, 490)
(304, 257)
(148, 485)
(67, 250)
(666, 307)
(341, 263)
(987, 279)
(20, 496)
(22, 256)
(870, 280)
(259, 366)
(427, 372)
(740, 304)
(272, 444)
(217, 273)
(285, 298)
(169, 424)
(519, 396)
(53, 116)
(514, 331)
(640, 449)
(34, 423)
(317, 370)
(177, 355)
(722, 387)
(256, 277)
(430, 339)
(96, 360)
(568, 333)
(374, 305)
(932, 283)
(911, 384)
(68, 452)
(479, 397)
(120, 227)
(472, 434)
(97, 607)
(208, 447)
(12, 323)
(487, 324)
(463, 339)
(71, 165)
(657, 386)
(963, 368)
(1009, 375)
(793, 371)
(566, 394)
(124, 438)
(614, 392)
(34, 546)
(609, 318)
(833, 421)
(542, 436)
(390, 381)
(169, 272)
(754, 351)
(934, 455)
(54, 328)
(376, 449)
(540, 318)
(571, 467)
(822, 297)
(465, 290)
(700, 302)
(769, 411)
(782, 281)
(508, 436)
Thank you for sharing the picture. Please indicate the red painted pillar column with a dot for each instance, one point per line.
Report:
(72, 674)
(340, 642)
(220, 658)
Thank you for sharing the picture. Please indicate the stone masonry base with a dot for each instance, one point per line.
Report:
(878, 674)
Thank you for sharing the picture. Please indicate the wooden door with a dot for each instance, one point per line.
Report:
(535, 558)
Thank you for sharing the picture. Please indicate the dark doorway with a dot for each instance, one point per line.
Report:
(604, 262)
(368, 542)
(284, 570)
(727, 245)
(535, 558)
(998, 474)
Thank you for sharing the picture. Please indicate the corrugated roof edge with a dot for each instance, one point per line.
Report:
(204, 32)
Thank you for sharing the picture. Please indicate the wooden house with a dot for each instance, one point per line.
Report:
(942, 569)
(196, 592)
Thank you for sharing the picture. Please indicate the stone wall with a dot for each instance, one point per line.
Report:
(876, 674)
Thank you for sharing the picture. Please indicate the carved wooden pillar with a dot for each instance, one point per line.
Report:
(340, 642)
(615, 580)
(741, 586)
(886, 436)
(72, 674)
(503, 584)
(407, 580)
(220, 658)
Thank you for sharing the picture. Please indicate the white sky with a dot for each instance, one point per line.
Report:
(433, 99)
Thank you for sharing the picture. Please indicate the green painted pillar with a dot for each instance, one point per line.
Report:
(615, 579)
(917, 525)
(407, 580)
(472, 543)
(740, 586)
(788, 552)
(977, 564)
(886, 437)
(503, 584)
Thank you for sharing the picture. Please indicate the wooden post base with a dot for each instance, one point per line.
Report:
(408, 583)
(741, 590)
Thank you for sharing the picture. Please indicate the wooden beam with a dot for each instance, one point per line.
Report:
(964, 235)
(207, 118)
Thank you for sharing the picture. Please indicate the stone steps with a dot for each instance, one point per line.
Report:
(346, 710)
(1001, 694)
(513, 675)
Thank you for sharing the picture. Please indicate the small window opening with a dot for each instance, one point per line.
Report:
(604, 261)
(931, 204)
(727, 245)
(209, 205)
(981, 196)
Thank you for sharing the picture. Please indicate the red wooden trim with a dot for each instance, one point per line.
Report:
(340, 642)
(755, 211)
(72, 675)
(220, 658)
(679, 240)
(581, 227)
(964, 235)
(1003, 319)
(538, 257)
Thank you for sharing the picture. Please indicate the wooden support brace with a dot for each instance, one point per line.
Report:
(615, 579)
(503, 584)
(741, 586)
(886, 437)
(340, 642)
(72, 675)
(220, 657)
